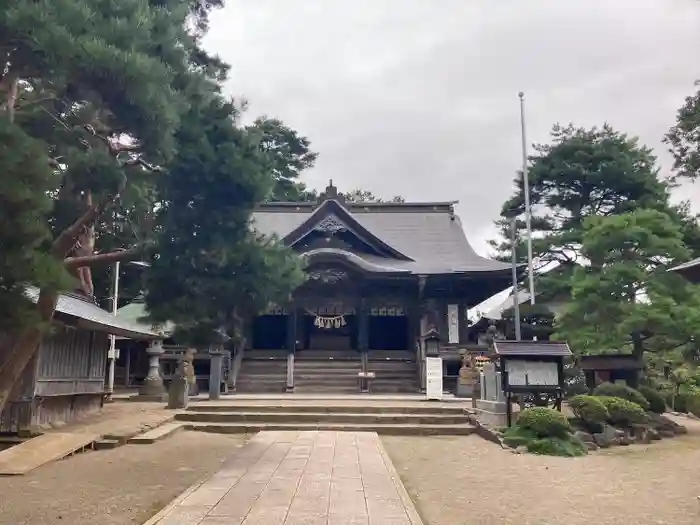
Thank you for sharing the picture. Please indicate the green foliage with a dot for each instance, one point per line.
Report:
(684, 139)
(517, 436)
(623, 412)
(359, 195)
(568, 447)
(212, 272)
(596, 187)
(622, 391)
(657, 404)
(589, 409)
(693, 403)
(24, 233)
(99, 88)
(287, 155)
(582, 173)
(545, 422)
(629, 254)
(678, 401)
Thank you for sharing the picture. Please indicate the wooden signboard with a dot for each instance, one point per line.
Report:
(433, 378)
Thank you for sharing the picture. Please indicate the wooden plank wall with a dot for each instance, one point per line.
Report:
(72, 362)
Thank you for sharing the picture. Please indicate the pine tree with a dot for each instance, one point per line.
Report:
(212, 271)
(92, 93)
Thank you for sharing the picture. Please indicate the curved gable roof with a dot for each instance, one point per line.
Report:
(331, 215)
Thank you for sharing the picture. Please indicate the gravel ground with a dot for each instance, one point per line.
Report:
(470, 481)
(123, 486)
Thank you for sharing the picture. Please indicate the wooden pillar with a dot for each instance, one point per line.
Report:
(127, 365)
(291, 346)
(463, 323)
(292, 329)
(363, 326)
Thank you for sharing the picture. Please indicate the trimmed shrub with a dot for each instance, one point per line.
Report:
(693, 403)
(516, 436)
(589, 410)
(677, 402)
(657, 404)
(553, 446)
(622, 391)
(623, 412)
(545, 422)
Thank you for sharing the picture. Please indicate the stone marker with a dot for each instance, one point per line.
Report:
(178, 394)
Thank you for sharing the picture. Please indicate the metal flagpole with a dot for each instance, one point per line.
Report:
(112, 355)
(516, 300)
(526, 191)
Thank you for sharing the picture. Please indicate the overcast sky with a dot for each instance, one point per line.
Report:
(419, 97)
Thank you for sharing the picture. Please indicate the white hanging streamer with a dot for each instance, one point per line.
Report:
(330, 322)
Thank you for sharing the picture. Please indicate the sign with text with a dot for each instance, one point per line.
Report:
(433, 378)
(532, 373)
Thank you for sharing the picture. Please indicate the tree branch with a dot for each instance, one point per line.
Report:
(131, 254)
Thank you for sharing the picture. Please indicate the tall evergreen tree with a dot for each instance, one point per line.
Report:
(211, 271)
(625, 298)
(583, 173)
(684, 139)
(93, 93)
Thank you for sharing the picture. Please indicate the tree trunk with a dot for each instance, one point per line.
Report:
(26, 346)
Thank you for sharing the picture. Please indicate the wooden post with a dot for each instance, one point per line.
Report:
(127, 366)
(216, 358)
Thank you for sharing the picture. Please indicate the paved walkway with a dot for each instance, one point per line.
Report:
(299, 478)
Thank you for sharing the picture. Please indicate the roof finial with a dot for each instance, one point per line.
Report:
(331, 192)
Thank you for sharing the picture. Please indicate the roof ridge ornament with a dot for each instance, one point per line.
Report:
(331, 193)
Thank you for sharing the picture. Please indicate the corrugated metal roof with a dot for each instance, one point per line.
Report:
(532, 348)
(135, 313)
(92, 317)
(430, 234)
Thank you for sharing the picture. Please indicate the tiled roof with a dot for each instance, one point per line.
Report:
(92, 317)
(532, 348)
(430, 234)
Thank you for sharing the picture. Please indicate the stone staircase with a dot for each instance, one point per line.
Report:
(262, 373)
(326, 372)
(395, 373)
(383, 417)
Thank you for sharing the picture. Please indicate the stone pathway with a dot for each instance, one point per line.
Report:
(299, 478)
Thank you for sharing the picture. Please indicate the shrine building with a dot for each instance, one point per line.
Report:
(380, 275)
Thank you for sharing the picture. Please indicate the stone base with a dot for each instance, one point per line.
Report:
(152, 387)
(492, 413)
(464, 390)
(149, 398)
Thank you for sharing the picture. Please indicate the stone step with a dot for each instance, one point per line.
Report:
(261, 377)
(156, 434)
(291, 407)
(321, 417)
(340, 388)
(390, 430)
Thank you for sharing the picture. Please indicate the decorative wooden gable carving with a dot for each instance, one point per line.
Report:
(327, 275)
(332, 218)
(331, 225)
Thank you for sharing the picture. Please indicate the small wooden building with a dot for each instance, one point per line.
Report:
(66, 378)
(610, 368)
